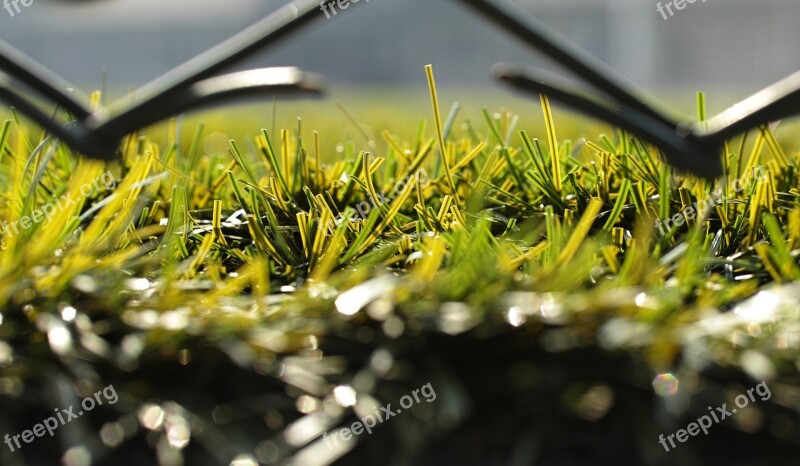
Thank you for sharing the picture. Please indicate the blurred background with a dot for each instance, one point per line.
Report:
(728, 48)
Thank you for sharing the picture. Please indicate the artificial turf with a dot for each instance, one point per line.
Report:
(568, 301)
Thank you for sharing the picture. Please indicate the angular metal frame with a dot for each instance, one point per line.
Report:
(97, 133)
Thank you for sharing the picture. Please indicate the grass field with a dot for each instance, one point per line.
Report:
(513, 265)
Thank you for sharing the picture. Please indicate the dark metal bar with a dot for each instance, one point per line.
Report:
(257, 37)
(683, 152)
(78, 138)
(17, 65)
(259, 82)
(778, 101)
(536, 34)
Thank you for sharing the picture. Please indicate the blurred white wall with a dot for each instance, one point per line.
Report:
(718, 44)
